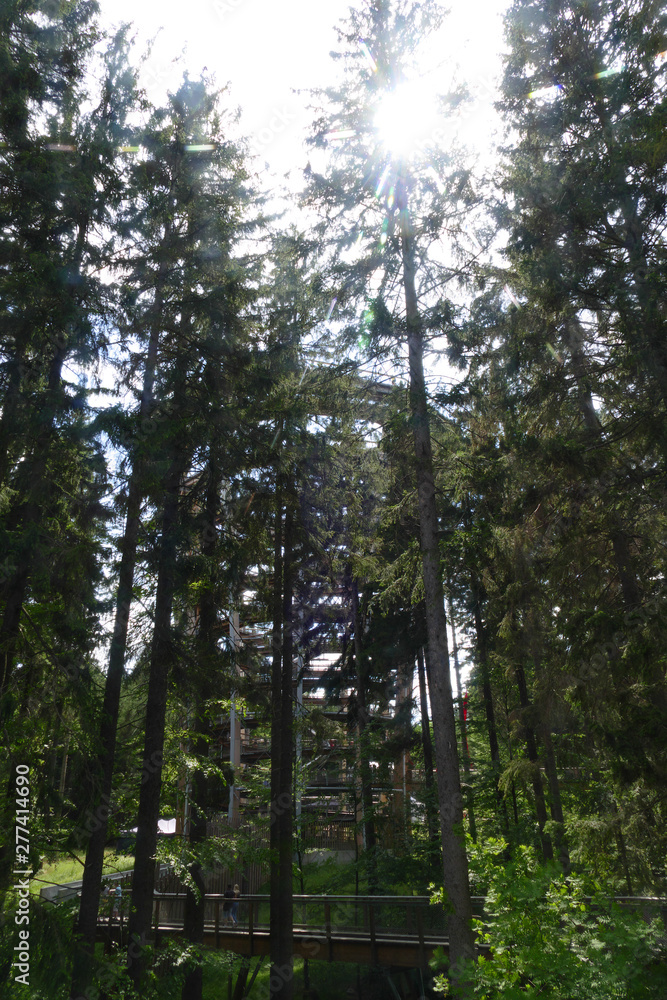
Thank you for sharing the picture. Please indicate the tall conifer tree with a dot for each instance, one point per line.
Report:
(386, 207)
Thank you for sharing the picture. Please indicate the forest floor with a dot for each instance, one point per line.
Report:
(328, 980)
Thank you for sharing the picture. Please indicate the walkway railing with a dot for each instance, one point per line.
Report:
(385, 930)
(322, 919)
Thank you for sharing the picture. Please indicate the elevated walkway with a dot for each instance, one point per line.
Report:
(390, 931)
(393, 931)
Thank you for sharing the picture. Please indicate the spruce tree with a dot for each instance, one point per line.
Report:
(387, 208)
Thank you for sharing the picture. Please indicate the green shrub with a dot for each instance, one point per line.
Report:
(553, 936)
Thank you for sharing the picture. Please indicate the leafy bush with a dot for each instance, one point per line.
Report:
(550, 937)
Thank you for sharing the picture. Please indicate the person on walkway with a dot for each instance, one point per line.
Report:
(235, 906)
(227, 905)
(117, 900)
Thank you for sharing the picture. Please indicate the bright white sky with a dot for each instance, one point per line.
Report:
(267, 49)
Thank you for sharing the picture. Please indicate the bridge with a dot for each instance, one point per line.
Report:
(397, 931)
(390, 931)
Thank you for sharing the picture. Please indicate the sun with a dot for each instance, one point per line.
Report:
(407, 117)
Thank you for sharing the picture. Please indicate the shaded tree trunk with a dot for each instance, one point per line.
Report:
(92, 872)
(618, 536)
(143, 876)
(363, 758)
(531, 749)
(38, 486)
(555, 803)
(195, 903)
(487, 694)
(455, 862)
(465, 751)
(37, 490)
(282, 727)
(427, 747)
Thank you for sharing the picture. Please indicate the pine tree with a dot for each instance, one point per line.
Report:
(389, 204)
(584, 87)
(206, 199)
(584, 93)
(58, 159)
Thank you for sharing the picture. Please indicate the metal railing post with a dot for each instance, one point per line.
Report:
(420, 931)
(371, 928)
(327, 930)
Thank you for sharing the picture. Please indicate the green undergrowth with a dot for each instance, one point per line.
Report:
(553, 935)
(327, 980)
(68, 869)
(395, 874)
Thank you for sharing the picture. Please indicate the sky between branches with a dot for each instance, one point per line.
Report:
(267, 50)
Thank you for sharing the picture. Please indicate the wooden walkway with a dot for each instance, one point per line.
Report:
(396, 931)
(392, 931)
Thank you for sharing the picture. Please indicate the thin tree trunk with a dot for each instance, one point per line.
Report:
(241, 980)
(10, 422)
(465, 751)
(487, 694)
(555, 803)
(143, 876)
(620, 843)
(531, 749)
(455, 862)
(515, 805)
(431, 791)
(92, 872)
(282, 730)
(363, 758)
(195, 903)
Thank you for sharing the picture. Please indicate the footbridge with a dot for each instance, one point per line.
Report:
(391, 931)
(397, 931)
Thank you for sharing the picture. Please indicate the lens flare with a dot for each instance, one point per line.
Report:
(407, 116)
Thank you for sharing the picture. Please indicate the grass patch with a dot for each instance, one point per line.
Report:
(67, 869)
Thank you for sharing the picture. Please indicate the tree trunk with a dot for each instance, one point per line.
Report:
(282, 726)
(455, 862)
(431, 791)
(555, 804)
(363, 758)
(28, 516)
(92, 872)
(531, 749)
(35, 511)
(487, 694)
(143, 876)
(465, 751)
(620, 541)
(195, 903)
